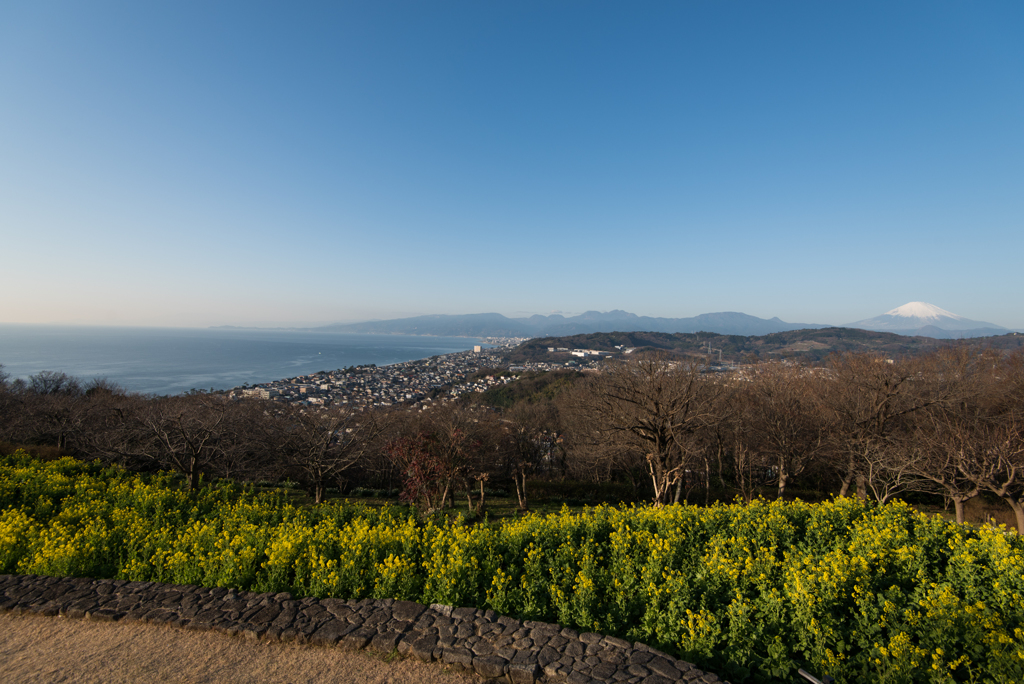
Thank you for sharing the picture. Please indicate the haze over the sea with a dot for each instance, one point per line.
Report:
(191, 164)
(175, 360)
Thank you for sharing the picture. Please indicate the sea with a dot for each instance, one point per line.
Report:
(168, 361)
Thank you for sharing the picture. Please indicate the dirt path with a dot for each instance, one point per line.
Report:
(34, 648)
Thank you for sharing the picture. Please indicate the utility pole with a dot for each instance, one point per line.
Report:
(710, 351)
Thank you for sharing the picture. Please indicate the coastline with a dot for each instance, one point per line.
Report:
(169, 361)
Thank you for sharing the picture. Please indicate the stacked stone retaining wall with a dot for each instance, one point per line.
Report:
(493, 646)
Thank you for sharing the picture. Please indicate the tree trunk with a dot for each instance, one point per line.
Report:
(862, 487)
(845, 489)
(1018, 511)
(659, 491)
(958, 505)
(707, 481)
(783, 478)
(520, 480)
(193, 474)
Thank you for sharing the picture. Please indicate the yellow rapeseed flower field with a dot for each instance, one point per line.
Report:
(752, 591)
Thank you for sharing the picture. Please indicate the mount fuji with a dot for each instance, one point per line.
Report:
(927, 320)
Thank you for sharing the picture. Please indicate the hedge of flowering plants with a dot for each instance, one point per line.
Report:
(754, 591)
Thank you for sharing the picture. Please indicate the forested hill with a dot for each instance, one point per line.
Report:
(808, 345)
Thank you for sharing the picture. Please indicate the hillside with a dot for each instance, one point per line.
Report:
(806, 345)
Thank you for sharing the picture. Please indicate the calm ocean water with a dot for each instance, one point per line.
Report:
(175, 360)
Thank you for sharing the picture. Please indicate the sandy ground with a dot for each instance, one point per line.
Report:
(34, 648)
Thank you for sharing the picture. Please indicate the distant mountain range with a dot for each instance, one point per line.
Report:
(496, 325)
(928, 320)
(915, 318)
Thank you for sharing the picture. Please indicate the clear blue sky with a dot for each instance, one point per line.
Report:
(206, 163)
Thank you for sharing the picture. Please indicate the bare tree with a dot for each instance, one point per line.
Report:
(12, 412)
(117, 431)
(589, 456)
(874, 399)
(891, 468)
(948, 447)
(435, 456)
(786, 421)
(530, 437)
(184, 433)
(995, 461)
(254, 439)
(54, 382)
(750, 470)
(323, 444)
(653, 407)
(55, 407)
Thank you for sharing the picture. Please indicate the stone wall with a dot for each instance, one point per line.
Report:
(493, 646)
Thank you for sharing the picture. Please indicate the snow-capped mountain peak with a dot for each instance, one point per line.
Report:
(919, 318)
(922, 310)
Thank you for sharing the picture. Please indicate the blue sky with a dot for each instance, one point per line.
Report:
(198, 163)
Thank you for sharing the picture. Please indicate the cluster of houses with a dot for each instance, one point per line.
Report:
(412, 382)
(417, 383)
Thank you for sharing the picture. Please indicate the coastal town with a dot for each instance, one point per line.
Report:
(418, 384)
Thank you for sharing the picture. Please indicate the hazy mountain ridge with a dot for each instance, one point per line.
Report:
(497, 325)
(913, 319)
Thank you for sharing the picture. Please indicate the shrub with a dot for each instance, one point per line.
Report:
(752, 591)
